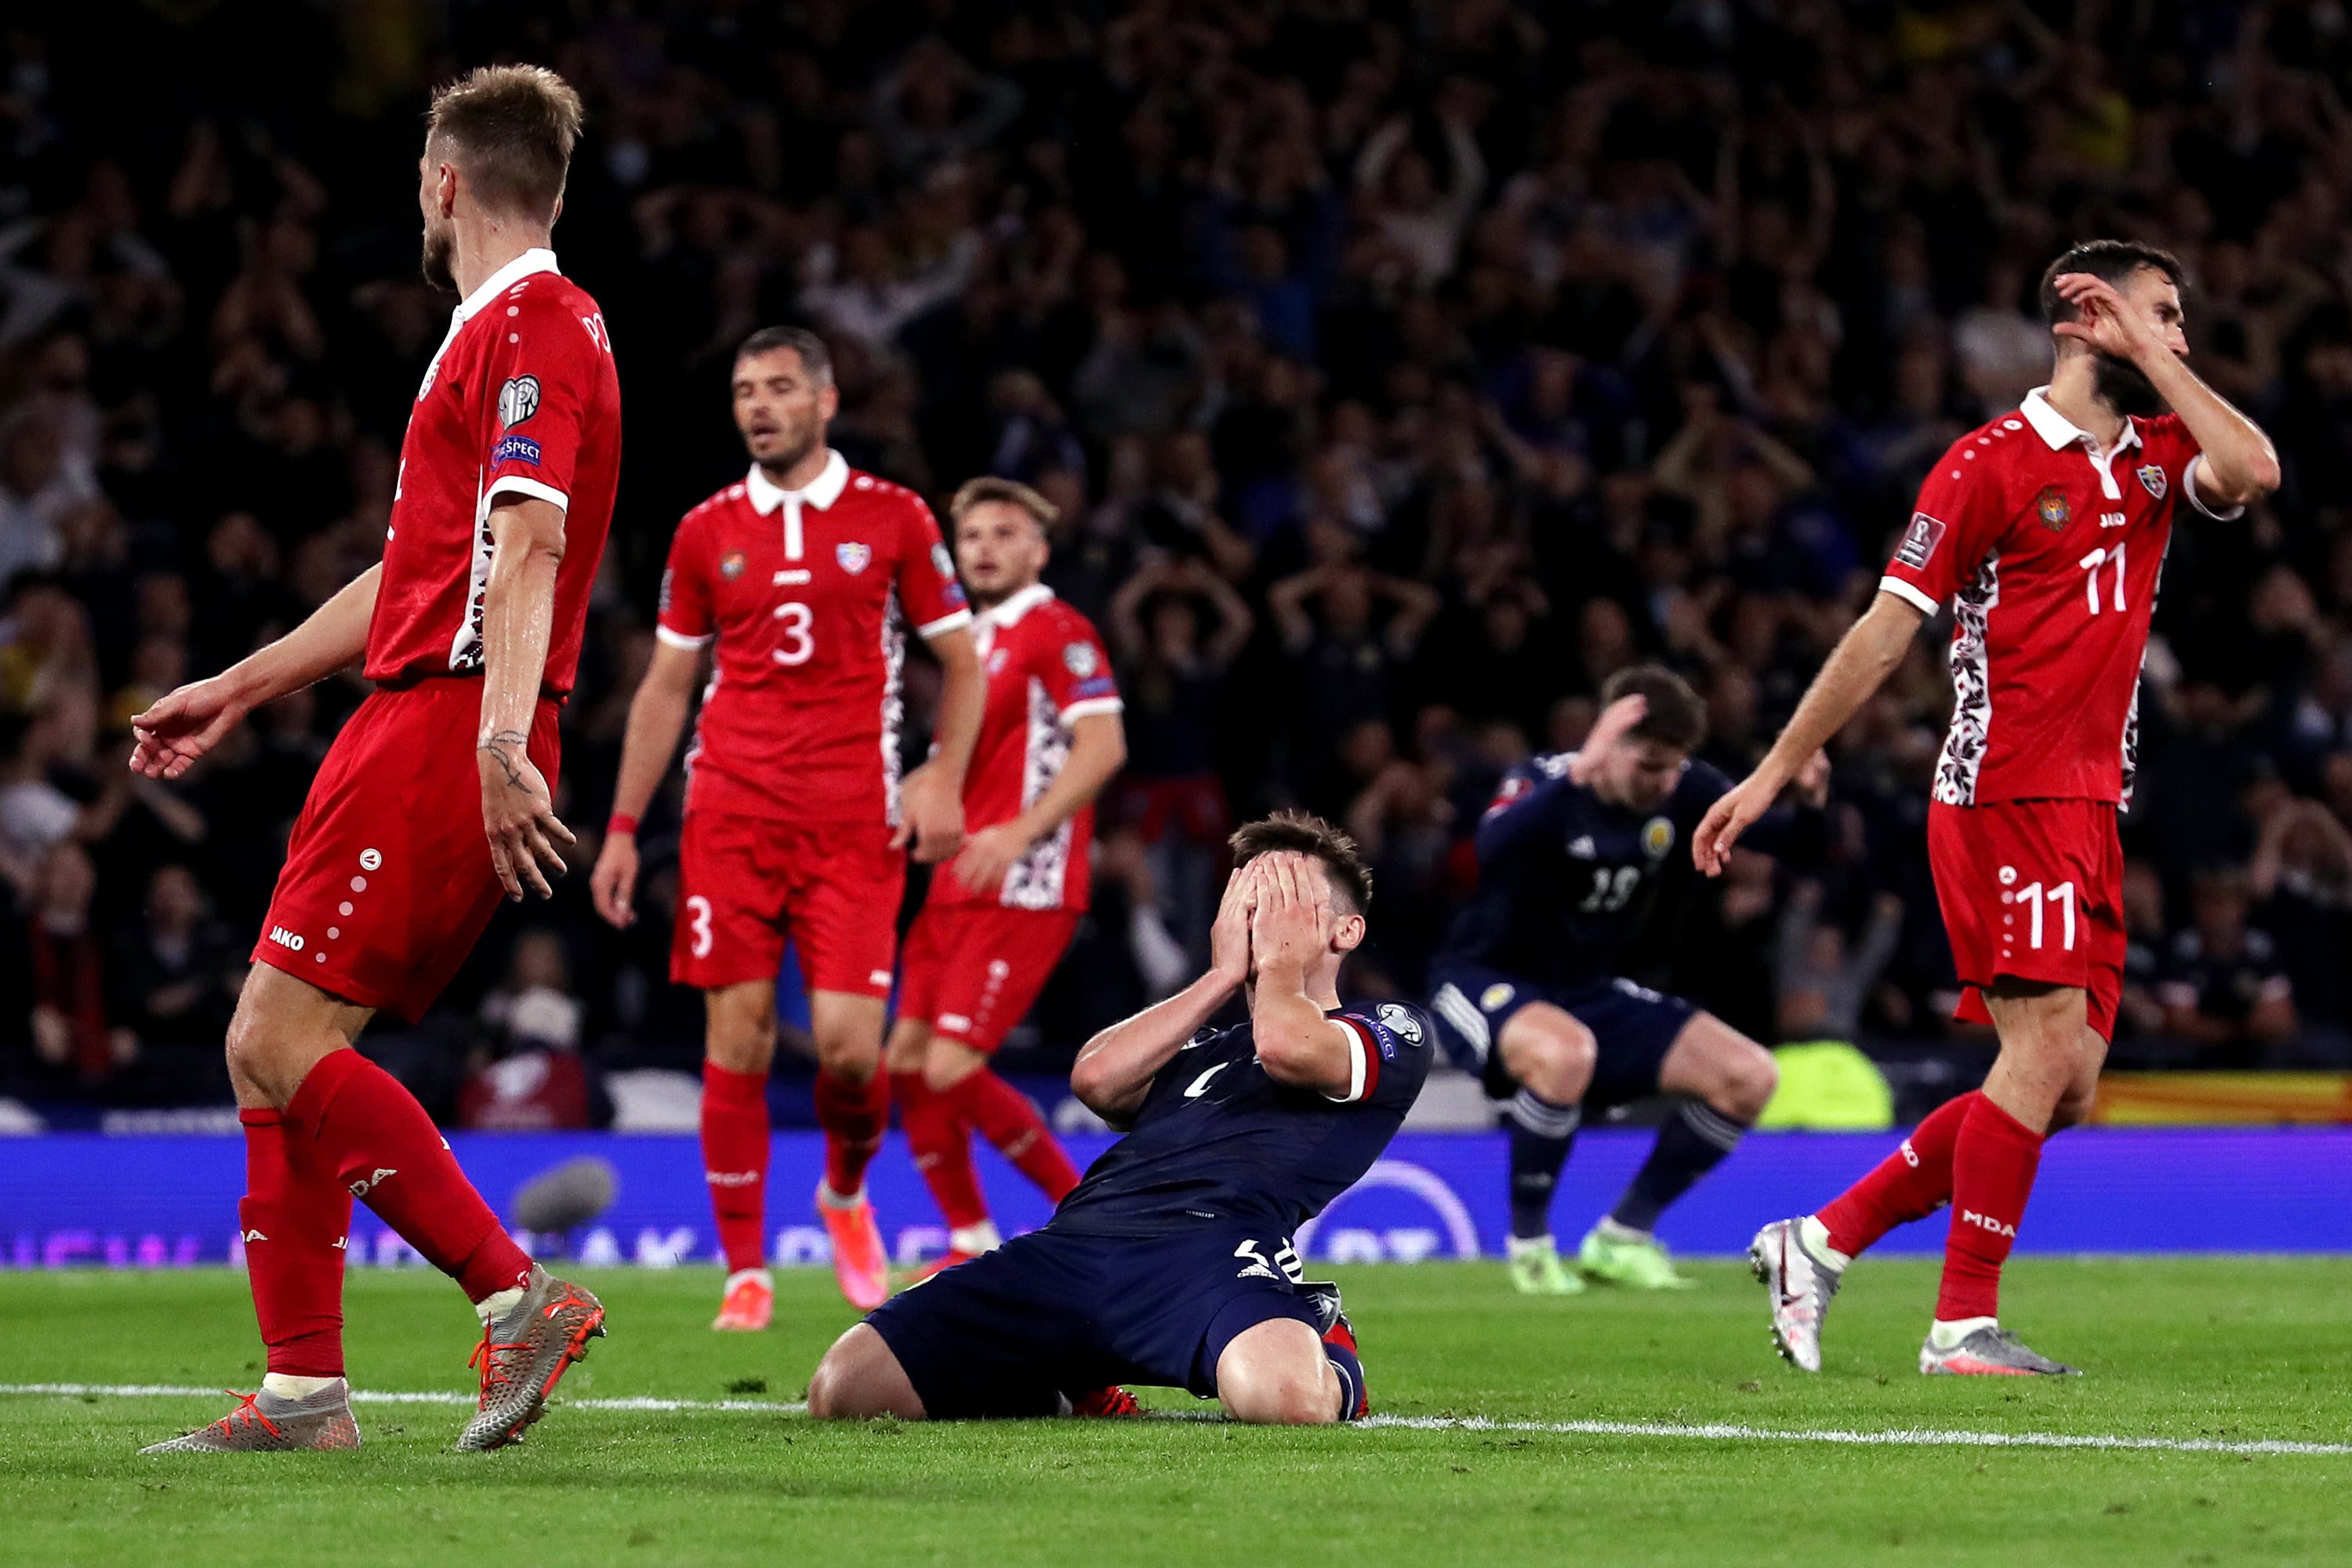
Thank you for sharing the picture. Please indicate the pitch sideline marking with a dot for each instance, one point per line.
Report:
(1903, 1437)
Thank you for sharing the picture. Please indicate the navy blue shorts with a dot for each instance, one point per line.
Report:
(1050, 1315)
(1632, 1027)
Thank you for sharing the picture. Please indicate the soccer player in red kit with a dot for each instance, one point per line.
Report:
(436, 795)
(999, 915)
(804, 572)
(2045, 530)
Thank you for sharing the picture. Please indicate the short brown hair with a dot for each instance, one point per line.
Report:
(1304, 833)
(1676, 716)
(989, 489)
(816, 359)
(2110, 261)
(512, 129)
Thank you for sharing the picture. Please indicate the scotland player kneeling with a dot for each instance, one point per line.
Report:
(1527, 991)
(1172, 1262)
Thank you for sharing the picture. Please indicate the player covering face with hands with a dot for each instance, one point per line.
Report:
(2045, 531)
(1173, 1262)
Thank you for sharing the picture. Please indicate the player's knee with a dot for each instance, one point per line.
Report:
(1749, 1083)
(860, 1379)
(909, 1048)
(947, 1065)
(1292, 1396)
(1559, 1067)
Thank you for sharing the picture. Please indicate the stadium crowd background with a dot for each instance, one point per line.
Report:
(1402, 368)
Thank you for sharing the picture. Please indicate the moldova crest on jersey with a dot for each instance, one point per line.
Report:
(2152, 480)
(854, 555)
(2054, 511)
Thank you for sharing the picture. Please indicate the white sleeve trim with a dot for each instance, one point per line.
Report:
(532, 488)
(944, 625)
(679, 639)
(1356, 1068)
(1087, 706)
(2189, 485)
(1909, 593)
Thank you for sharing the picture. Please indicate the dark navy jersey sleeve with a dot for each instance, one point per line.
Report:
(1391, 1047)
(1526, 807)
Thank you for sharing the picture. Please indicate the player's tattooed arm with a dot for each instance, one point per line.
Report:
(1114, 1071)
(517, 622)
(193, 718)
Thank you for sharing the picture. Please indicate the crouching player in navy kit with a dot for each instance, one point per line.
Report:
(1172, 1262)
(1526, 994)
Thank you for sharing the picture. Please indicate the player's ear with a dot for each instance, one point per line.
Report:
(828, 402)
(1348, 933)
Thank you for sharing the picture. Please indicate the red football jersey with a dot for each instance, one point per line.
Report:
(521, 399)
(808, 592)
(2049, 551)
(1046, 670)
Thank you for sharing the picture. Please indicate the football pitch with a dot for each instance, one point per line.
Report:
(1605, 1427)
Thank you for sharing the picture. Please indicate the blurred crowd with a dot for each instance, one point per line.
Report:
(1402, 368)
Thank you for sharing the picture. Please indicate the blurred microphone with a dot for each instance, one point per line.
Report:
(562, 1199)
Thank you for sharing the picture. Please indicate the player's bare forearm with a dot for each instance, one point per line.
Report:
(1870, 651)
(190, 721)
(1098, 751)
(2240, 463)
(517, 616)
(656, 722)
(1115, 1069)
(1296, 1043)
(963, 693)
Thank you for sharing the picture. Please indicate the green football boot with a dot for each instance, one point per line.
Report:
(1537, 1270)
(1634, 1259)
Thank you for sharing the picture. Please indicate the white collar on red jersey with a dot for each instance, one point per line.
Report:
(820, 492)
(2061, 432)
(539, 258)
(1013, 607)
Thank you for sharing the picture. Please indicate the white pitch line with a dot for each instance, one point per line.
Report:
(1908, 1437)
(392, 1397)
(1903, 1437)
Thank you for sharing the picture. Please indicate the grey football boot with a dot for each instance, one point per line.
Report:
(1800, 1285)
(1990, 1351)
(524, 1353)
(264, 1423)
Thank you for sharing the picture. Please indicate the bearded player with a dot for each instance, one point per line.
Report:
(805, 573)
(999, 915)
(436, 797)
(2046, 531)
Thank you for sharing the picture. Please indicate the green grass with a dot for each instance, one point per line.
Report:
(2239, 1349)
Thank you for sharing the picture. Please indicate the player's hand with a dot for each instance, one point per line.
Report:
(612, 884)
(930, 816)
(519, 817)
(1730, 817)
(1288, 930)
(1229, 933)
(2105, 321)
(987, 856)
(1813, 781)
(1608, 729)
(184, 725)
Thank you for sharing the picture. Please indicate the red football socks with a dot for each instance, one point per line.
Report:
(853, 1116)
(1006, 1118)
(1993, 1163)
(1910, 1183)
(295, 1216)
(941, 1151)
(387, 1153)
(735, 1162)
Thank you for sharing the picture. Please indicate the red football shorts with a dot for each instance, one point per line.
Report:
(973, 969)
(2031, 890)
(746, 884)
(387, 883)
